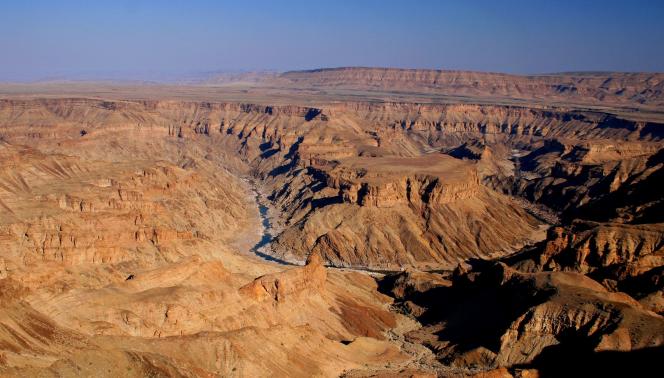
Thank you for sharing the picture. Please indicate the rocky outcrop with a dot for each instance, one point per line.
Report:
(580, 310)
(490, 315)
(399, 235)
(115, 217)
(624, 249)
(73, 211)
(612, 224)
(575, 177)
(278, 287)
(622, 257)
(433, 180)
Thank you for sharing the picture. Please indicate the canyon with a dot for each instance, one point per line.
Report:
(349, 222)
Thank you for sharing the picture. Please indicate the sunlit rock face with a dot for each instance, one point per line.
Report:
(128, 228)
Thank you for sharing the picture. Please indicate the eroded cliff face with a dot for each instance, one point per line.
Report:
(124, 223)
(65, 209)
(392, 212)
(568, 175)
(125, 239)
(386, 182)
(298, 281)
(327, 161)
(536, 318)
(625, 88)
(611, 212)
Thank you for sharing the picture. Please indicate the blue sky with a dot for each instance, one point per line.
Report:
(152, 39)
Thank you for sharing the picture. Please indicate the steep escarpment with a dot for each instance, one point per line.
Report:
(611, 212)
(392, 212)
(567, 175)
(623, 257)
(617, 88)
(385, 182)
(535, 320)
(330, 162)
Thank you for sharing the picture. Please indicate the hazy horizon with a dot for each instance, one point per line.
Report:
(157, 41)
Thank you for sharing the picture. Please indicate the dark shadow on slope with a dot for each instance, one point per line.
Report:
(322, 202)
(653, 130)
(477, 309)
(579, 361)
(311, 114)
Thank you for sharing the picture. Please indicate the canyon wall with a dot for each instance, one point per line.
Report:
(340, 170)
(593, 88)
(126, 228)
(125, 231)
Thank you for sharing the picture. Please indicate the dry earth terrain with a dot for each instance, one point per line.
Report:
(357, 222)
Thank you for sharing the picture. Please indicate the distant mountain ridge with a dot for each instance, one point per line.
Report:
(591, 87)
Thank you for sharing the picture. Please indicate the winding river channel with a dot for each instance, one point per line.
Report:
(262, 247)
(267, 235)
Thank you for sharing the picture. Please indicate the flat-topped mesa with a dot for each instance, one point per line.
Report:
(603, 151)
(385, 182)
(600, 87)
(320, 153)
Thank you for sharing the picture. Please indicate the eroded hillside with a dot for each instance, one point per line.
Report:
(127, 227)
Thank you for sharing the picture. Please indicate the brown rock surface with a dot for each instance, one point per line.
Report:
(308, 280)
(119, 258)
(494, 316)
(390, 212)
(588, 88)
(127, 225)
